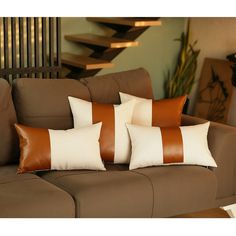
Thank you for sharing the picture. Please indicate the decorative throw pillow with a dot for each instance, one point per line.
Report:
(183, 145)
(46, 149)
(162, 113)
(114, 139)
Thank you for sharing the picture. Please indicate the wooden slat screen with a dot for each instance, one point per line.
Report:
(30, 47)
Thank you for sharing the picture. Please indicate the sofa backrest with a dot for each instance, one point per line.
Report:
(106, 88)
(8, 138)
(44, 102)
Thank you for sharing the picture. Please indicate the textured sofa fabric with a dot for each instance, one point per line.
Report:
(29, 196)
(8, 138)
(147, 192)
(106, 88)
(43, 103)
(221, 140)
(178, 189)
(113, 193)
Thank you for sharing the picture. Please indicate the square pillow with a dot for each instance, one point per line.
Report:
(185, 145)
(162, 113)
(46, 149)
(114, 140)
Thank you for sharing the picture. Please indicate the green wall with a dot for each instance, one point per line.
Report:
(157, 51)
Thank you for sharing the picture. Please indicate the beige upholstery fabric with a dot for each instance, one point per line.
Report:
(161, 113)
(47, 149)
(114, 139)
(184, 145)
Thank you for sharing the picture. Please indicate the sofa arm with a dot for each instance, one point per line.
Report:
(222, 144)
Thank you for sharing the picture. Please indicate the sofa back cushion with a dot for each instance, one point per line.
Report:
(106, 88)
(43, 103)
(8, 138)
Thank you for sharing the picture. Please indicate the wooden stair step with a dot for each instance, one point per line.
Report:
(127, 21)
(109, 42)
(84, 62)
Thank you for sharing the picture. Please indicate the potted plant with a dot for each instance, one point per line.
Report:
(183, 78)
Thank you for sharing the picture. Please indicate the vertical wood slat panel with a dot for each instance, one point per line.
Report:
(13, 44)
(21, 43)
(51, 44)
(36, 44)
(18, 50)
(6, 49)
(29, 47)
(58, 29)
(44, 45)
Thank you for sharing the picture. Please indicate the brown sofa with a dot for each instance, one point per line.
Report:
(117, 192)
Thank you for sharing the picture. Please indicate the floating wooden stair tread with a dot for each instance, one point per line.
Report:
(102, 41)
(129, 21)
(84, 62)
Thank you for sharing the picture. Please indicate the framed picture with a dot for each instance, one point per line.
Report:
(215, 90)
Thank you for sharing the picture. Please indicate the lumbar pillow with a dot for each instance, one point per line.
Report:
(162, 113)
(114, 139)
(153, 146)
(46, 149)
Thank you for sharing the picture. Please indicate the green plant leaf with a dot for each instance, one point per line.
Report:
(183, 78)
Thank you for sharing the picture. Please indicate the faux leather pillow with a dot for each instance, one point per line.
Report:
(46, 149)
(114, 140)
(183, 145)
(162, 113)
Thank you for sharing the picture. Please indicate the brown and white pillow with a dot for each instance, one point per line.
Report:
(114, 140)
(47, 149)
(185, 145)
(162, 113)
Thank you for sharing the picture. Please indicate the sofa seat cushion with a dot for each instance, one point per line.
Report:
(113, 193)
(180, 189)
(27, 195)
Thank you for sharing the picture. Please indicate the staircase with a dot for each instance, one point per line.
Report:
(105, 49)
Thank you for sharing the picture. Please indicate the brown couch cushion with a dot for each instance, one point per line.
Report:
(30, 196)
(106, 88)
(43, 103)
(114, 193)
(221, 139)
(8, 137)
(147, 192)
(181, 189)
